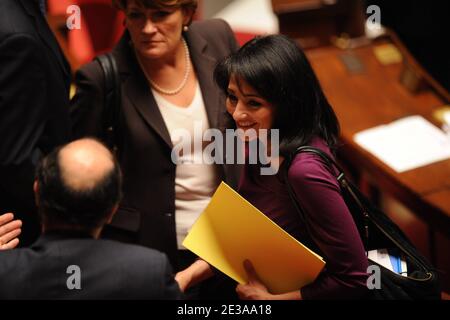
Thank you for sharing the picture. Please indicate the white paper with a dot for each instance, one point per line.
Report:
(406, 144)
(384, 258)
(262, 20)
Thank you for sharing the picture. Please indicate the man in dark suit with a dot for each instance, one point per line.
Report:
(78, 189)
(34, 98)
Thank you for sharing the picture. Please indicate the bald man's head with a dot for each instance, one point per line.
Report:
(78, 184)
(84, 163)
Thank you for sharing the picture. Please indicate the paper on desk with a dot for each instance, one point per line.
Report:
(231, 230)
(390, 260)
(406, 144)
(387, 54)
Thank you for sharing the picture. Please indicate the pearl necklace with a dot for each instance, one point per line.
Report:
(185, 78)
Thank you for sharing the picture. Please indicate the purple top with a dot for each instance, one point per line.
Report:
(331, 225)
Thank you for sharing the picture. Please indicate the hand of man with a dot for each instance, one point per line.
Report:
(9, 231)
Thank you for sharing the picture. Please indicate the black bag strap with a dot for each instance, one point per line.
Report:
(112, 100)
(340, 177)
(369, 213)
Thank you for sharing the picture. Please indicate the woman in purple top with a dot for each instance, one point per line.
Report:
(269, 84)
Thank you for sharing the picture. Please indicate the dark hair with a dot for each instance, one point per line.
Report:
(276, 67)
(61, 205)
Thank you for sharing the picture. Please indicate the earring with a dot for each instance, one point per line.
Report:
(185, 28)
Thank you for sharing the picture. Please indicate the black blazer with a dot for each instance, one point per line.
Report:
(34, 99)
(148, 206)
(107, 269)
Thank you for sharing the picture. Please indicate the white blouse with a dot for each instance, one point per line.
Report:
(195, 181)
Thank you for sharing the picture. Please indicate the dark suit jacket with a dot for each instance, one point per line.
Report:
(107, 269)
(34, 99)
(149, 174)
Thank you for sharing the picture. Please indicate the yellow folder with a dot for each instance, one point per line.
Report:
(231, 230)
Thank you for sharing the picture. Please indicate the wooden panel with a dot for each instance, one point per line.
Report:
(372, 98)
(441, 199)
(314, 23)
(375, 97)
(287, 6)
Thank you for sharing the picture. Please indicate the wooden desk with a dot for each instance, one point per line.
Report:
(376, 97)
(314, 22)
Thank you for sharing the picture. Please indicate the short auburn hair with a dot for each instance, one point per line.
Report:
(158, 4)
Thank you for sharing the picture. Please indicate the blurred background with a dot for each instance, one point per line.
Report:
(378, 61)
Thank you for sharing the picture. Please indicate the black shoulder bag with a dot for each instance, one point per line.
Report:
(378, 231)
(112, 101)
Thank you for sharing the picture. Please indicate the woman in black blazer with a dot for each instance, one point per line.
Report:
(161, 54)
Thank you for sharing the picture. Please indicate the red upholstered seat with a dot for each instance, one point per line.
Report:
(101, 27)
